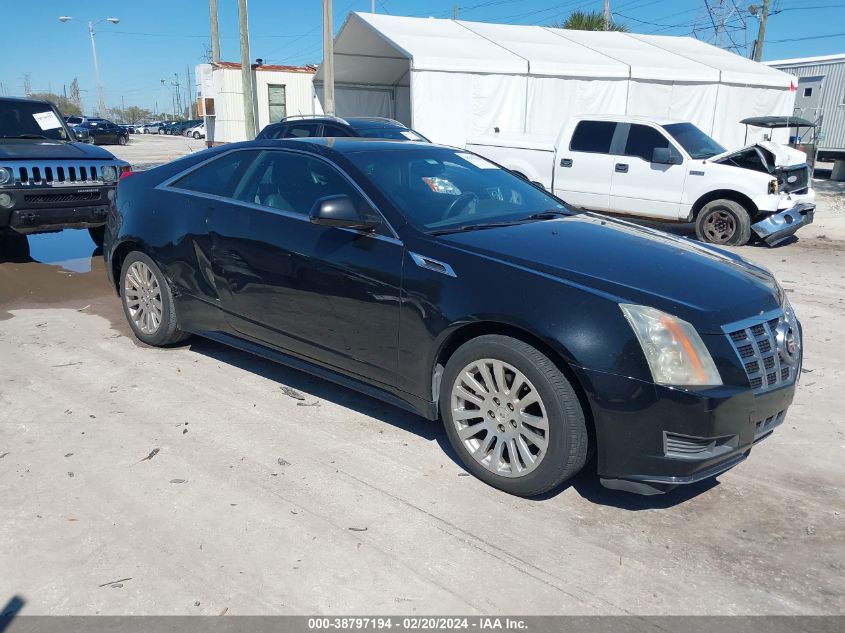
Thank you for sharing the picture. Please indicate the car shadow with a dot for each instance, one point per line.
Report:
(586, 483)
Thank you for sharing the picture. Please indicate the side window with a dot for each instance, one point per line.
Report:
(301, 130)
(220, 176)
(593, 136)
(334, 130)
(293, 182)
(643, 140)
(274, 131)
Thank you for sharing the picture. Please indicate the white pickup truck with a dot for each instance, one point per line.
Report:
(665, 170)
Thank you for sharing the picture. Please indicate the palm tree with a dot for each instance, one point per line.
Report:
(588, 21)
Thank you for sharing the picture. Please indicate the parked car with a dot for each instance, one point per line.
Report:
(666, 170)
(156, 127)
(431, 278)
(104, 132)
(198, 131)
(127, 127)
(49, 180)
(306, 126)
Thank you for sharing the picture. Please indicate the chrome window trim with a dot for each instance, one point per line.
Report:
(168, 184)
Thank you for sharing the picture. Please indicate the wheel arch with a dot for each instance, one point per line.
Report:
(724, 194)
(119, 255)
(466, 333)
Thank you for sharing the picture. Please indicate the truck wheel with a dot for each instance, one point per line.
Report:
(723, 222)
(512, 416)
(148, 301)
(98, 234)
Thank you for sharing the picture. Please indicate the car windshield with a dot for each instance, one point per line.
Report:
(30, 120)
(393, 133)
(443, 190)
(694, 141)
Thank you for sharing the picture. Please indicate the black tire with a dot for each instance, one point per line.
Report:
(160, 131)
(168, 331)
(723, 222)
(98, 234)
(196, 135)
(567, 446)
(121, 140)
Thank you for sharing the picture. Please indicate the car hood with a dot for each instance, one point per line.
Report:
(25, 149)
(783, 155)
(626, 263)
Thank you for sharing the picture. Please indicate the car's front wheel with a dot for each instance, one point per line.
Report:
(196, 135)
(723, 222)
(148, 301)
(121, 140)
(512, 416)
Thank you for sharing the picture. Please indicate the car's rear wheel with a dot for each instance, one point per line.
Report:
(148, 301)
(98, 234)
(512, 416)
(723, 222)
(196, 135)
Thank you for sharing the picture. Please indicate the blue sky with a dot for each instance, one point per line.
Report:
(156, 39)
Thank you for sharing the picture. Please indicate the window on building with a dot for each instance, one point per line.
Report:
(277, 102)
(808, 92)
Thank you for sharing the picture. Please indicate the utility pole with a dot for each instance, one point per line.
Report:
(246, 71)
(328, 59)
(102, 103)
(372, 6)
(761, 32)
(189, 96)
(455, 12)
(606, 15)
(215, 33)
(175, 83)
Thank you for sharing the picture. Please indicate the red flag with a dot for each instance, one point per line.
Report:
(792, 87)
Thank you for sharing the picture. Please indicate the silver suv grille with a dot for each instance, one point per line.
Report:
(57, 174)
(757, 344)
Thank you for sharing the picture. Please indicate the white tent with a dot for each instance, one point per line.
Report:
(452, 79)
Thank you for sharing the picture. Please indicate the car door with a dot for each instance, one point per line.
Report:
(328, 294)
(584, 169)
(640, 186)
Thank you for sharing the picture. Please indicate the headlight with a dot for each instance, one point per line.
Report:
(109, 173)
(675, 352)
(5, 175)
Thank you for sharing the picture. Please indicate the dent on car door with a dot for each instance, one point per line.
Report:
(584, 169)
(640, 185)
(196, 198)
(328, 294)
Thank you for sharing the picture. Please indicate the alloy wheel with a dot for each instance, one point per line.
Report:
(142, 294)
(500, 417)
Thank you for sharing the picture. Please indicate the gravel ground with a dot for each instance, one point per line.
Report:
(200, 479)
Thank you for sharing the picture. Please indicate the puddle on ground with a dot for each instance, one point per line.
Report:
(57, 270)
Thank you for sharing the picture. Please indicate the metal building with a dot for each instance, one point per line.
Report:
(820, 97)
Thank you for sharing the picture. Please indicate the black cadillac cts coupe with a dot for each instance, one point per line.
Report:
(433, 279)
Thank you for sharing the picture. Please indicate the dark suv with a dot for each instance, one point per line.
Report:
(305, 126)
(49, 180)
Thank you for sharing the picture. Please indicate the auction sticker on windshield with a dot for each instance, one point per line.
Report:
(479, 162)
(47, 120)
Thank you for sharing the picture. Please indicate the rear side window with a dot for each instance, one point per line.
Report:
(593, 136)
(220, 176)
(301, 130)
(334, 131)
(273, 131)
(643, 140)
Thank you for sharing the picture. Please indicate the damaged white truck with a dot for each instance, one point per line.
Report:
(665, 170)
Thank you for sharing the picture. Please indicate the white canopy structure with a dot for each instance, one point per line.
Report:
(451, 79)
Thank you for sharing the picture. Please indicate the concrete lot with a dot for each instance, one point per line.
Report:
(188, 481)
(146, 149)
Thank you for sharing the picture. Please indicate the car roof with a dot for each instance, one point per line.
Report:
(339, 145)
(373, 122)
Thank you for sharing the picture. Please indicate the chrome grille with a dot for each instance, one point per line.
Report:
(57, 174)
(755, 342)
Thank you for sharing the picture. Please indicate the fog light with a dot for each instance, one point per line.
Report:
(6, 200)
(109, 173)
(110, 194)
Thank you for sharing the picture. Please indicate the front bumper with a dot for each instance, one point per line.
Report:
(36, 209)
(652, 438)
(775, 228)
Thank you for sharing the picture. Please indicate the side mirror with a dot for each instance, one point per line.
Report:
(665, 156)
(81, 134)
(341, 212)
